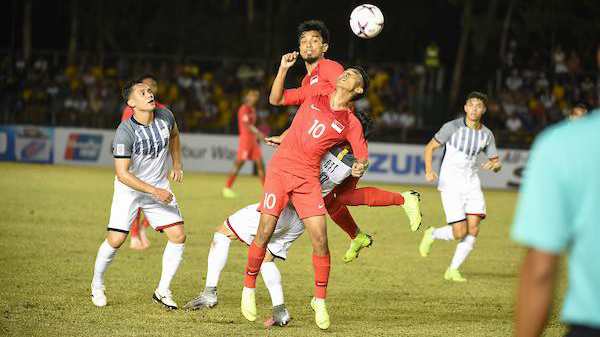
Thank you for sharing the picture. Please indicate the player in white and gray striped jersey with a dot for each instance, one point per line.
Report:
(463, 139)
(141, 147)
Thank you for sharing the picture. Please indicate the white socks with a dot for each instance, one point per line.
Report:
(170, 263)
(272, 277)
(217, 258)
(105, 255)
(443, 233)
(462, 251)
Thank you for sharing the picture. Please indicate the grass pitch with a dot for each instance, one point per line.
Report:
(53, 218)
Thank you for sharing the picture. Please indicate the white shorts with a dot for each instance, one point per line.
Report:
(458, 204)
(126, 202)
(244, 224)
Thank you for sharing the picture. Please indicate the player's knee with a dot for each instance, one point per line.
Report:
(320, 244)
(473, 230)
(115, 241)
(459, 231)
(177, 237)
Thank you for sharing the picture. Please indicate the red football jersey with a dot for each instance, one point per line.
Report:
(246, 114)
(315, 129)
(128, 111)
(322, 79)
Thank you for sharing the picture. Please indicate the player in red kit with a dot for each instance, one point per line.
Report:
(248, 145)
(324, 119)
(322, 75)
(139, 240)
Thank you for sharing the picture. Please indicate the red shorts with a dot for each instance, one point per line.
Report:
(249, 150)
(281, 187)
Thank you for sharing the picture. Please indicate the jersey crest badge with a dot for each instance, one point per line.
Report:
(164, 133)
(314, 79)
(120, 149)
(337, 126)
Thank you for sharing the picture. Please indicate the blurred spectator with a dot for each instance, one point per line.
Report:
(514, 124)
(559, 59)
(514, 81)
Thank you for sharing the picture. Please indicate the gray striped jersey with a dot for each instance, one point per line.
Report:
(146, 145)
(461, 147)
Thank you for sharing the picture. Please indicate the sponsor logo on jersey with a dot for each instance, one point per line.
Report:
(312, 106)
(314, 79)
(337, 126)
(84, 147)
(321, 206)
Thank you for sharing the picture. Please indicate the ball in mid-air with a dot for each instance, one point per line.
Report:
(366, 21)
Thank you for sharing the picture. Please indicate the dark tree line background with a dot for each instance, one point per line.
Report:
(472, 35)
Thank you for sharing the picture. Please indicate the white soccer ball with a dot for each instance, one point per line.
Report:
(366, 21)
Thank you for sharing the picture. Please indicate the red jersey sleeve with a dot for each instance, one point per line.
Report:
(357, 139)
(295, 96)
(127, 113)
(331, 71)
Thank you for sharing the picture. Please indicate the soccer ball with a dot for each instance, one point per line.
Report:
(366, 21)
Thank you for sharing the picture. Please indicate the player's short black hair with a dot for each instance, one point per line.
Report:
(128, 88)
(366, 121)
(365, 82)
(317, 25)
(147, 75)
(581, 105)
(479, 95)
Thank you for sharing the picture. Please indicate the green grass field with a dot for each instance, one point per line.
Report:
(53, 219)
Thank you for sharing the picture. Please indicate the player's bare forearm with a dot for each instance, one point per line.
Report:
(175, 149)
(428, 158)
(127, 178)
(256, 132)
(428, 154)
(534, 296)
(276, 95)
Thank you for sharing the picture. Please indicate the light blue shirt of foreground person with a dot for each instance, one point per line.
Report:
(559, 210)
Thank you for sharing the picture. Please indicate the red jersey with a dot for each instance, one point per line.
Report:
(322, 79)
(128, 111)
(246, 114)
(315, 129)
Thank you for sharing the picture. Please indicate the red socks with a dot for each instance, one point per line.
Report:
(342, 217)
(370, 196)
(256, 255)
(262, 181)
(134, 231)
(230, 180)
(321, 264)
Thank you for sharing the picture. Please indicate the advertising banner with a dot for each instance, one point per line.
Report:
(80, 146)
(390, 163)
(26, 143)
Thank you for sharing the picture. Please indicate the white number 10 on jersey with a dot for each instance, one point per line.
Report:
(317, 129)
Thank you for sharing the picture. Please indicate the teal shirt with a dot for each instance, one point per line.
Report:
(559, 210)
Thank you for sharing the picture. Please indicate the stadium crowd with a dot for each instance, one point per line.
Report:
(204, 95)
